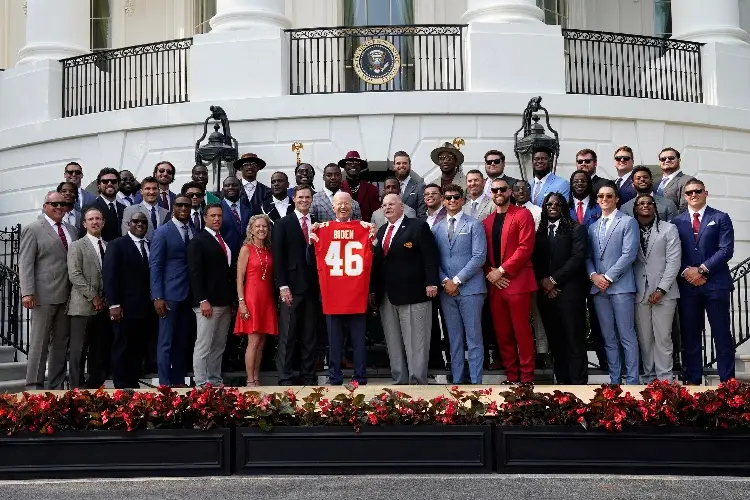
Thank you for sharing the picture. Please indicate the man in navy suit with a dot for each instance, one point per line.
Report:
(74, 173)
(170, 291)
(624, 161)
(236, 213)
(707, 238)
(545, 181)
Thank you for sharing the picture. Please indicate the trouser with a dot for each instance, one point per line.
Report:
(540, 334)
(653, 324)
(297, 323)
(76, 364)
(129, 348)
(511, 314)
(439, 343)
(616, 315)
(597, 340)
(174, 331)
(211, 339)
(407, 335)
(463, 315)
(565, 321)
(337, 325)
(98, 349)
(49, 335)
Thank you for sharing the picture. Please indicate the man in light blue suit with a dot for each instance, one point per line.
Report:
(462, 247)
(170, 291)
(545, 181)
(614, 241)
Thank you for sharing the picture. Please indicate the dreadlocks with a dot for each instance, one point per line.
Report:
(656, 212)
(566, 221)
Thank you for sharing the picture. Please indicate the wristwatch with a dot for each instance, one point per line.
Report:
(661, 290)
(702, 271)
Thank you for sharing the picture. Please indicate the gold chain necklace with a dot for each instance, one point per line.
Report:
(263, 265)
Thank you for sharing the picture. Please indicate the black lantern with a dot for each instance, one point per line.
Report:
(221, 146)
(535, 139)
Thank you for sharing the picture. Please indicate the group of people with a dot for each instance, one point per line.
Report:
(473, 262)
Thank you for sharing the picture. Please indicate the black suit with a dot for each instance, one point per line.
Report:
(300, 320)
(261, 194)
(269, 208)
(211, 278)
(563, 257)
(596, 183)
(126, 283)
(112, 224)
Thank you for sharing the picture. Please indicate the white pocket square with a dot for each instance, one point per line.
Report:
(712, 223)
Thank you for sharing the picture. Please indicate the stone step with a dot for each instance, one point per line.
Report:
(742, 363)
(12, 386)
(13, 371)
(7, 353)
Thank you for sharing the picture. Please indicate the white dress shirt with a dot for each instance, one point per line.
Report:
(448, 218)
(95, 241)
(228, 250)
(431, 218)
(668, 180)
(137, 242)
(282, 205)
(249, 188)
(180, 227)
(536, 213)
(329, 193)
(54, 228)
(121, 198)
(395, 225)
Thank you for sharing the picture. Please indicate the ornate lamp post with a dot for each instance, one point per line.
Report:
(220, 148)
(534, 139)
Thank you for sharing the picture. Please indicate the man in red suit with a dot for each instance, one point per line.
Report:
(362, 192)
(510, 232)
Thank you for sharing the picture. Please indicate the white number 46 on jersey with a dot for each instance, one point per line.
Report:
(350, 263)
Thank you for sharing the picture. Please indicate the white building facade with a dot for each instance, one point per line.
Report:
(469, 67)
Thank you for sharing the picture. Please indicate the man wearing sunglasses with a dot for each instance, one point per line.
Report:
(155, 215)
(586, 160)
(494, 166)
(74, 173)
(164, 172)
(197, 194)
(107, 182)
(673, 181)
(624, 161)
(707, 238)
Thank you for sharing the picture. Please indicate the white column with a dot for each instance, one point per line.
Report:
(705, 22)
(55, 30)
(511, 33)
(248, 37)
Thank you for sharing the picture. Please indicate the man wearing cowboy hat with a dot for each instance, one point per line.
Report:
(253, 191)
(449, 159)
(362, 192)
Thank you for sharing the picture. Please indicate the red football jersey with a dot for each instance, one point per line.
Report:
(343, 253)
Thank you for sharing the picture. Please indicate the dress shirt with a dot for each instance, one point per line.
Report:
(180, 225)
(79, 203)
(152, 208)
(236, 204)
(404, 183)
(299, 219)
(169, 200)
(54, 228)
(329, 193)
(121, 198)
(137, 243)
(70, 218)
(113, 200)
(608, 220)
(457, 218)
(194, 211)
(624, 178)
(229, 251)
(431, 218)
(585, 204)
(282, 205)
(552, 226)
(669, 179)
(478, 202)
(700, 213)
(395, 225)
(536, 213)
(249, 188)
(95, 241)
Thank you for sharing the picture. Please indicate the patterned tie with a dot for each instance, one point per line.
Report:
(618, 183)
(186, 236)
(474, 208)
(305, 229)
(130, 199)
(387, 240)
(144, 254)
(101, 250)
(451, 228)
(78, 203)
(223, 245)
(236, 214)
(537, 188)
(662, 185)
(403, 187)
(61, 234)
(153, 217)
(696, 225)
(164, 202)
(579, 212)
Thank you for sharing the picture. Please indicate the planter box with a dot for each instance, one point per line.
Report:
(179, 452)
(568, 450)
(384, 450)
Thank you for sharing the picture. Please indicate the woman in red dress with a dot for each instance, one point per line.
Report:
(256, 316)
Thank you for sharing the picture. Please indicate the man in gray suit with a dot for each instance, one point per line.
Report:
(43, 273)
(656, 270)
(673, 179)
(390, 186)
(155, 214)
(613, 247)
(478, 205)
(85, 257)
(411, 187)
(644, 184)
(322, 202)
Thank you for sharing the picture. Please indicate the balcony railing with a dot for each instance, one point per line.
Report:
(632, 66)
(130, 77)
(322, 60)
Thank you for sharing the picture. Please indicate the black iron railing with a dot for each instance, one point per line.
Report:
(15, 321)
(322, 60)
(617, 64)
(130, 77)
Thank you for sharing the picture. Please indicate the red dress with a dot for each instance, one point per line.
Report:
(259, 295)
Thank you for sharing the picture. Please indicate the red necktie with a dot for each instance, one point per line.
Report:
(223, 245)
(579, 212)
(61, 234)
(696, 225)
(236, 214)
(305, 230)
(164, 202)
(387, 240)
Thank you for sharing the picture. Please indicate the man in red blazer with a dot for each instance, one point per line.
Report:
(362, 192)
(510, 232)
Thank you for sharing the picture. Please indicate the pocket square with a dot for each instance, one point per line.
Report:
(408, 244)
(712, 223)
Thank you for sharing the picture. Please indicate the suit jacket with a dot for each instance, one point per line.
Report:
(714, 248)
(86, 198)
(590, 216)
(168, 261)
(291, 266)
(464, 255)
(368, 198)
(127, 278)
(85, 275)
(616, 255)
(627, 191)
(232, 232)
(553, 184)
(675, 190)
(410, 266)
(261, 194)
(413, 197)
(112, 225)
(439, 215)
(378, 218)
(563, 257)
(516, 249)
(162, 216)
(596, 183)
(660, 265)
(484, 209)
(43, 263)
(269, 208)
(664, 206)
(322, 208)
(212, 275)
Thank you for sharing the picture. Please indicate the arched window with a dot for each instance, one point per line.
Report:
(203, 11)
(555, 11)
(663, 18)
(101, 20)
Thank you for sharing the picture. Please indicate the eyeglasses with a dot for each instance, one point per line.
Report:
(195, 195)
(581, 161)
(667, 158)
(139, 222)
(165, 171)
(501, 189)
(183, 205)
(623, 158)
(494, 162)
(552, 204)
(446, 156)
(453, 197)
(645, 203)
(58, 204)
(608, 196)
(694, 191)
(107, 181)
(74, 172)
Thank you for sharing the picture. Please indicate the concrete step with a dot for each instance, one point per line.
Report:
(13, 371)
(713, 380)
(12, 386)
(7, 353)
(742, 363)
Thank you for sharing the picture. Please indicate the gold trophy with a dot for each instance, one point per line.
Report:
(458, 142)
(297, 147)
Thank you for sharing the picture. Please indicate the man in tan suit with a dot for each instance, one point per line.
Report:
(43, 273)
(85, 258)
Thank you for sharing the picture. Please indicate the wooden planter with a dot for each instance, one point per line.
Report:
(382, 450)
(179, 452)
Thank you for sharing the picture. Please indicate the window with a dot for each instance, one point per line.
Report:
(378, 12)
(663, 18)
(555, 11)
(100, 37)
(203, 11)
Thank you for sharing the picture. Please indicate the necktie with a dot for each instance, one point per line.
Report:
(196, 221)
(223, 245)
(236, 214)
(696, 225)
(602, 231)
(662, 184)
(474, 208)
(164, 202)
(144, 254)
(186, 236)
(579, 212)
(61, 234)
(387, 240)
(551, 233)
(112, 211)
(153, 217)
(130, 199)
(537, 188)
(101, 250)
(451, 228)
(403, 186)
(618, 183)
(78, 203)
(305, 229)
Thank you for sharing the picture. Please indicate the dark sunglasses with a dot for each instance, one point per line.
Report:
(139, 222)
(608, 196)
(74, 172)
(667, 158)
(446, 156)
(183, 205)
(165, 171)
(453, 197)
(552, 204)
(586, 161)
(694, 191)
(496, 190)
(195, 195)
(622, 158)
(58, 204)
(108, 181)
(493, 162)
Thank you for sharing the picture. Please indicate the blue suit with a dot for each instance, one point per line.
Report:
(170, 281)
(590, 216)
(232, 232)
(613, 254)
(626, 192)
(713, 249)
(553, 184)
(463, 257)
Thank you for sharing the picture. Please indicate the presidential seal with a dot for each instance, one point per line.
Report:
(377, 61)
